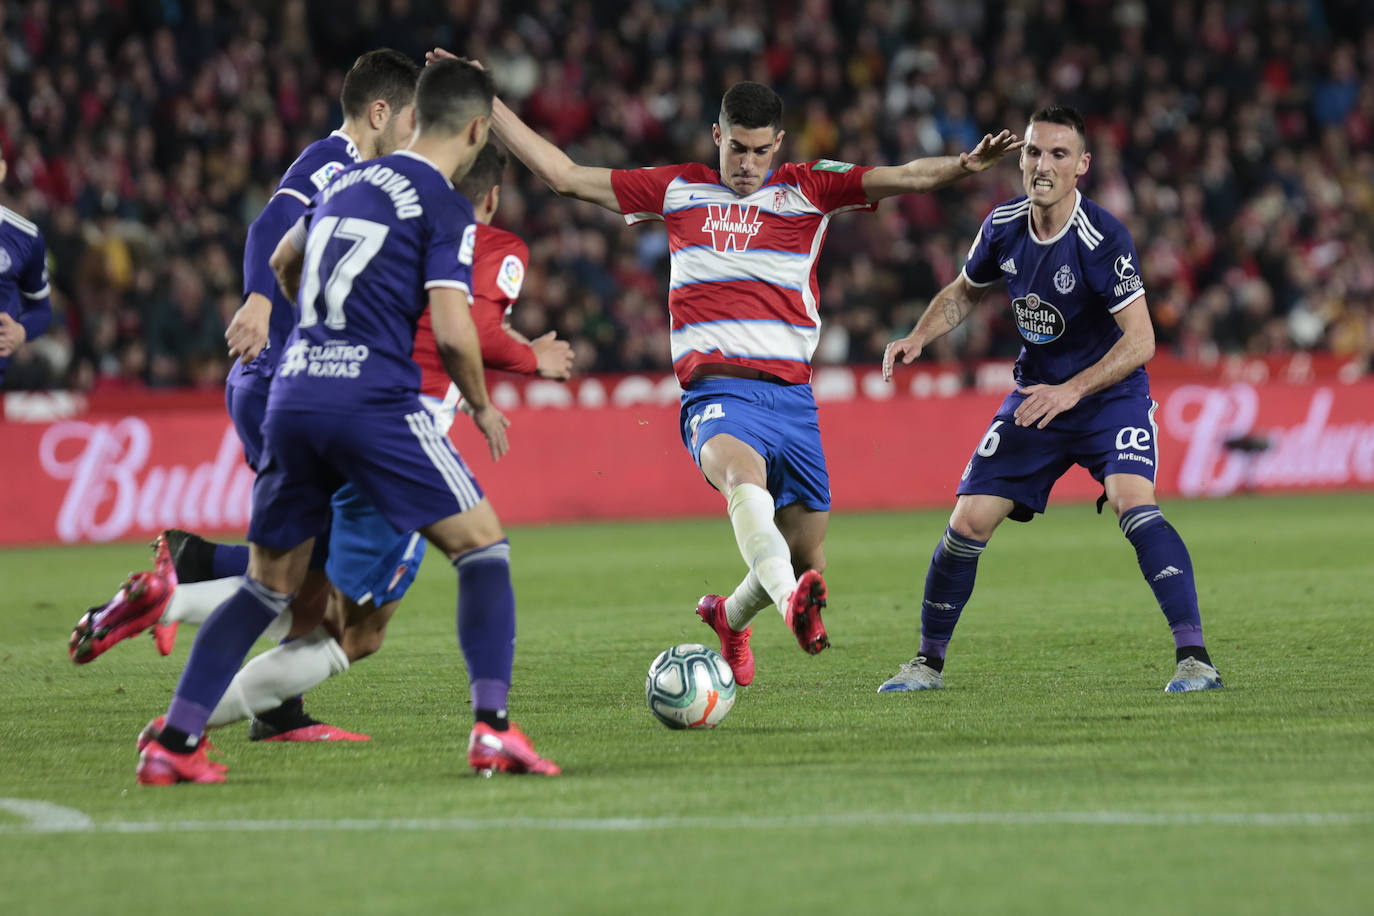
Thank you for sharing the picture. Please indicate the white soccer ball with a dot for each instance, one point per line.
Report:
(690, 686)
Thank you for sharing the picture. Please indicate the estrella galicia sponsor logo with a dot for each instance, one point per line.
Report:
(332, 359)
(1038, 321)
(1127, 280)
(1064, 280)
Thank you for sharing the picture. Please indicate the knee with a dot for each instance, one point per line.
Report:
(362, 641)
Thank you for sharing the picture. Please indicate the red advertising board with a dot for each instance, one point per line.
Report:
(84, 470)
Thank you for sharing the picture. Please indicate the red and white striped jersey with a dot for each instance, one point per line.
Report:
(742, 288)
(498, 271)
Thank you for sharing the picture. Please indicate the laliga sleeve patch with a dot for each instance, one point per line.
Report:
(325, 174)
(830, 165)
(511, 276)
(467, 245)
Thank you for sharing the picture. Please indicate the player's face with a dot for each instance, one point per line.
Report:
(399, 126)
(745, 155)
(1051, 162)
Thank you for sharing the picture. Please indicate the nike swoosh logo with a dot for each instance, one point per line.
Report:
(695, 197)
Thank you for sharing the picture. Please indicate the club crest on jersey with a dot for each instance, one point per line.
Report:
(779, 199)
(732, 226)
(1064, 280)
(1038, 321)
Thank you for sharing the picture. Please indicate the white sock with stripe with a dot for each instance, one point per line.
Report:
(195, 601)
(279, 674)
(761, 543)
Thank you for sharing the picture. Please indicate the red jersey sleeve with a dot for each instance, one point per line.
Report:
(640, 192)
(833, 186)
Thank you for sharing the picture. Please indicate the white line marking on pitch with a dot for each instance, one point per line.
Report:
(43, 817)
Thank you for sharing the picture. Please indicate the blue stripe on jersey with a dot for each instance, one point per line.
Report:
(774, 283)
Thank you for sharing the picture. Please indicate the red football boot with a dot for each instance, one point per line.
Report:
(734, 644)
(804, 613)
(508, 751)
(137, 606)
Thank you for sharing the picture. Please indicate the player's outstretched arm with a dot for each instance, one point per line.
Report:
(455, 335)
(553, 166)
(946, 311)
(1137, 344)
(935, 172)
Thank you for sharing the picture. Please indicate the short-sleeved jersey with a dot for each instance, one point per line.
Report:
(23, 276)
(1064, 291)
(742, 287)
(381, 236)
(498, 271)
(314, 168)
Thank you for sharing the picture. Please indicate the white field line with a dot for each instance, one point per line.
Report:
(42, 817)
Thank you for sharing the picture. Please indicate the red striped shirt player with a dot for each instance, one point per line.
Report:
(745, 318)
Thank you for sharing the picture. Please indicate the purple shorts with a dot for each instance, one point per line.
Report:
(397, 460)
(1109, 433)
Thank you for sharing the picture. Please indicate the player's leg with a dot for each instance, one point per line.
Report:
(177, 753)
(371, 565)
(1168, 570)
(477, 547)
(1010, 475)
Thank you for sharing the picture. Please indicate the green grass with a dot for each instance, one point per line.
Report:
(1052, 775)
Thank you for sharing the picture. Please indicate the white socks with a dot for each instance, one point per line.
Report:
(761, 545)
(744, 605)
(279, 674)
(194, 601)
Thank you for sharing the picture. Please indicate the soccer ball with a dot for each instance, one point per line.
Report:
(690, 686)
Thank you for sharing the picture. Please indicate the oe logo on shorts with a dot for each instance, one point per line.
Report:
(1133, 437)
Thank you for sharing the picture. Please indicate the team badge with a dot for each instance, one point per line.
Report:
(779, 200)
(1064, 280)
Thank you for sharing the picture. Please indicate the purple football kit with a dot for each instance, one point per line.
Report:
(1065, 292)
(345, 402)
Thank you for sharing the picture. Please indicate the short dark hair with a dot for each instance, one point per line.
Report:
(383, 74)
(752, 105)
(485, 173)
(451, 93)
(1066, 115)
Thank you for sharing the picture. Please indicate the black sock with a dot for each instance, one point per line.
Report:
(176, 740)
(1197, 652)
(288, 716)
(195, 559)
(496, 718)
(934, 661)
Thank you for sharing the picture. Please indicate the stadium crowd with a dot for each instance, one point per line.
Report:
(1235, 139)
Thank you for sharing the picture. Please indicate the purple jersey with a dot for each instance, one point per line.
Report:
(316, 166)
(381, 235)
(1064, 291)
(23, 276)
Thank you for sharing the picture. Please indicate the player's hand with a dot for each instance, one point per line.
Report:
(12, 334)
(247, 331)
(989, 150)
(554, 357)
(906, 348)
(441, 54)
(493, 425)
(1044, 403)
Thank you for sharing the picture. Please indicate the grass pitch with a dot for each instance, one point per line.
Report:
(1052, 775)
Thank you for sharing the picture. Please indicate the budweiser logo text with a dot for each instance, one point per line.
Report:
(113, 491)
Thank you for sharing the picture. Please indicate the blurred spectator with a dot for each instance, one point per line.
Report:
(1235, 139)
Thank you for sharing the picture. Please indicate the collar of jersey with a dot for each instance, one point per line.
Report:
(414, 155)
(352, 147)
(1068, 223)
